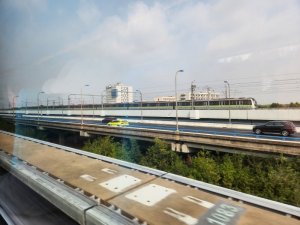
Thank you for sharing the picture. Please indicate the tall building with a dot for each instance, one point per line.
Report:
(119, 93)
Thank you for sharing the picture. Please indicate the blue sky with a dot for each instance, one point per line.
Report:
(58, 46)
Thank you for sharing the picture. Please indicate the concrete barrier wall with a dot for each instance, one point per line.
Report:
(253, 114)
(258, 114)
(275, 114)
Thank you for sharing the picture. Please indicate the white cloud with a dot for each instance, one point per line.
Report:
(256, 25)
(142, 38)
(236, 58)
(88, 12)
(146, 43)
(27, 4)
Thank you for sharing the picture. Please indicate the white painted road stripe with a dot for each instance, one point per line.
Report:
(189, 220)
(199, 201)
(118, 184)
(88, 177)
(150, 194)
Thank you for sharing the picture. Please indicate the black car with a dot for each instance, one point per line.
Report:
(285, 128)
(106, 120)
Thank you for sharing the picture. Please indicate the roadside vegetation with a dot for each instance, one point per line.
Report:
(276, 105)
(273, 178)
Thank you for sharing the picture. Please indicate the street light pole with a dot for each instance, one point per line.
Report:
(69, 102)
(141, 95)
(102, 100)
(193, 94)
(62, 104)
(176, 104)
(38, 102)
(226, 82)
(86, 85)
(26, 107)
(16, 96)
(47, 105)
(53, 103)
(93, 107)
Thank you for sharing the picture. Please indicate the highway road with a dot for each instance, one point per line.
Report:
(192, 128)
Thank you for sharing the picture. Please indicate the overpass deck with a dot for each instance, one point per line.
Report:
(143, 195)
(230, 142)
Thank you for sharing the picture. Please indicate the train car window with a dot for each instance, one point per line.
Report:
(246, 102)
(184, 103)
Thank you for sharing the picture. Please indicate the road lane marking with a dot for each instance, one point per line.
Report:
(120, 183)
(88, 177)
(150, 194)
(110, 171)
(187, 219)
(199, 201)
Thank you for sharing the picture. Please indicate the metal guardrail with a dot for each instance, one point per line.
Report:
(6, 217)
(247, 198)
(262, 202)
(92, 155)
(79, 207)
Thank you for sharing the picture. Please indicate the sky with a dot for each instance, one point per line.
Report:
(60, 46)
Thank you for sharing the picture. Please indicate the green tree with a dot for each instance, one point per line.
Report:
(283, 182)
(294, 105)
(105, 146)
(227, 172)
(132, 150)
(160, 156)
(205, 168)
(275, 105)
(243, 178)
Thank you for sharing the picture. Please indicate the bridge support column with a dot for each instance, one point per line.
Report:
(194, 114)
(180, 147)
(84, 134)
(102, 113)
(40, 128)
(61, 139)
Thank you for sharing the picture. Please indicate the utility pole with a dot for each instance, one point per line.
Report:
(208, 96)
(141, 103)
(176, 102)
(14, 102)
(228, 85)
(193, 88)
(38, 103)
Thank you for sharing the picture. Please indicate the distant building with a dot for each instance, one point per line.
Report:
(119, 93)
(165, 99)
(208, 95)
(203, 95)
